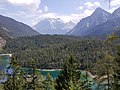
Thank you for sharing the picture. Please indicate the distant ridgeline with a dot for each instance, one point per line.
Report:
(50, 51)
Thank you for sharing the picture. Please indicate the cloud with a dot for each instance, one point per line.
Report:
(48, 15)
(26, 4)
(88, 12)
(88, 8)
(76, 17)
(21, 10)
(79, 8)
(43, 16)
(85, 10)
(46, 8)
(2, 7)
(115, 3)
(29, 11)
(91, 5)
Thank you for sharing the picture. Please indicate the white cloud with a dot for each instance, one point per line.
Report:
(88, 12)
(115, 3)
(35, 15)
(25, 10)
(2, 7)
(27, 4)
(91, 5)
(79, 8)
(48, 15)
(76, 17)
(65, 18)
(85, 10)
(46, 8)
(43, 16)
(31, 13)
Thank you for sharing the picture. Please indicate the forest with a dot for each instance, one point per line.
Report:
(50, 51)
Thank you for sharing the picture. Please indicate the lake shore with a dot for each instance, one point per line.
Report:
(49, 69)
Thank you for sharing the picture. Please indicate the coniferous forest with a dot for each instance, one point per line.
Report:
(50, 51)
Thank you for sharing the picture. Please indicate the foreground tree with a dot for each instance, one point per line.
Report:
(116, 63)
(49, 83)
(69, 76)
(104, 70)
(34, 78)
(15, 80)
(116, 74)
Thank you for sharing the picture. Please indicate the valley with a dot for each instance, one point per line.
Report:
(56, 51)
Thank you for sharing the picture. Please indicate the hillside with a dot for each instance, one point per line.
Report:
(12, 28)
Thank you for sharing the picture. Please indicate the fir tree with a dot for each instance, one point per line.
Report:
(36, 79)
(69, 76)
(49, 83)
(15, 80)
(103, 69)
(116, 75)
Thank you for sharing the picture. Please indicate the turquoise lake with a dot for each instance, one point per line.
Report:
(54, 74)
(4, 61)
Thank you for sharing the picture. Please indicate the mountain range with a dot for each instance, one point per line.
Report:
(53, 26)
(10, 28)
(99, 23)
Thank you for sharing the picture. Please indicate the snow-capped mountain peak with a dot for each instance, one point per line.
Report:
(53, 26)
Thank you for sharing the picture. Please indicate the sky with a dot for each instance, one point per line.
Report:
(31, 12)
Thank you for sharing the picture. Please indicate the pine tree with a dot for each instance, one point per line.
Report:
(1, 87)
(116, 75)
(49, 83)
(15, 80)
(69, 76)
(36, 79)
(104, 70)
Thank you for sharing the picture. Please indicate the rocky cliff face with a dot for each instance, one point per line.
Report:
(2, 42)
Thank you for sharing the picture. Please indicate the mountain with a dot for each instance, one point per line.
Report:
(105, 28)
(108, 27)
(99, 16)
(12, 28)
(2, 42)
(112, 25)
(53, 26)
(115, 14)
